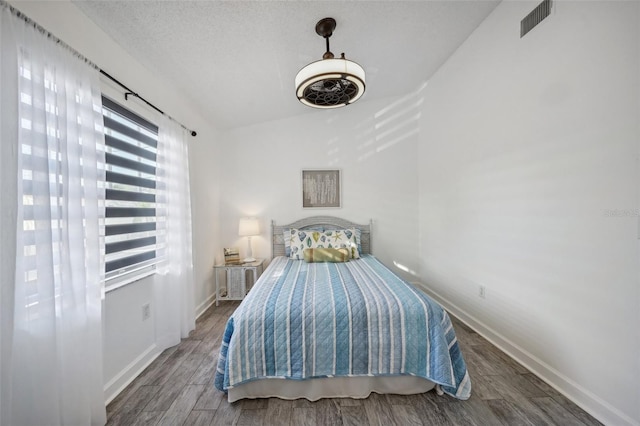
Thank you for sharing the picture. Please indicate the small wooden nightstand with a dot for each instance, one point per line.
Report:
(237, 287)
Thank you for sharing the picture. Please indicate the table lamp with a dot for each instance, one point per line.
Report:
(249, 226)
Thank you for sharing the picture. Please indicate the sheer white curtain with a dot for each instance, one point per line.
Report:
(52, 166)
(174, 286)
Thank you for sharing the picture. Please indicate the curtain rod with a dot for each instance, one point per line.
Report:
(79, 55)
(130, 92)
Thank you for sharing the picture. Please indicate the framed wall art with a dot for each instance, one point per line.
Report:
(321, 189)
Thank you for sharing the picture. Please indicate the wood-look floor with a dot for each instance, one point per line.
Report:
(177, 389)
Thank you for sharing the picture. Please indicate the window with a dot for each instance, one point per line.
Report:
(130, 190)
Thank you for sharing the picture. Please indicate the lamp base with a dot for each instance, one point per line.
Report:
(248, 259)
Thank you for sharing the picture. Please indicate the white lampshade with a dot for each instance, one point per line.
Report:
(316, 79)
(249, 226)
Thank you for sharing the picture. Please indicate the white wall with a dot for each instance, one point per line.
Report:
(129, 342)
(372, 143)
(525, 146)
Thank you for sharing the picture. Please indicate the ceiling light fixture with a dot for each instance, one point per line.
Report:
(330, 82)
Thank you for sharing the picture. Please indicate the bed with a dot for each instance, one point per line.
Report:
(343, 329)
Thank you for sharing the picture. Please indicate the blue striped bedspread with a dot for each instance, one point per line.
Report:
(307, 320)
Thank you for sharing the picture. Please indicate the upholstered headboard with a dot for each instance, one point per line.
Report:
(328, 222)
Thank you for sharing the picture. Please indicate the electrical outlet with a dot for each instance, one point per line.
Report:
(146, 311)
(482, 292)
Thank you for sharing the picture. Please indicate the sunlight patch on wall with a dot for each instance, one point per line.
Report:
(394, 124)
(404, 268)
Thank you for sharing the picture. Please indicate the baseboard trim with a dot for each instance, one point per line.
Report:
(129, 373)
(585, 399)
(208, 302)
(142, 361)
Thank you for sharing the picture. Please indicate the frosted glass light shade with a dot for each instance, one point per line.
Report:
(330, 83)
(248, 226)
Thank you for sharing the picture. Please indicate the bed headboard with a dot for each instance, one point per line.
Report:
(328, 222)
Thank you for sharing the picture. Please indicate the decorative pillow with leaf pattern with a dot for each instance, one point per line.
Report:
(286, 232)
(341, 238)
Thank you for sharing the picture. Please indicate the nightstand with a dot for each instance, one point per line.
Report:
(237, 282)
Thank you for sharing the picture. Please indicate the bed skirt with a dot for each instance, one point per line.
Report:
(330, 387)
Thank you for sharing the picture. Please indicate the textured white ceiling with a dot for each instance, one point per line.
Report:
(237, 60)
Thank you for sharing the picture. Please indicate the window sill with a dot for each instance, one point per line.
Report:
(117, 282)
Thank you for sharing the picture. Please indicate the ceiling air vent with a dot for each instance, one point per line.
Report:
(535, 17)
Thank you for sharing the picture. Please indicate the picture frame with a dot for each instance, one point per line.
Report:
(321, 188)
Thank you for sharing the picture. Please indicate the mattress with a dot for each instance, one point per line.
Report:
(356, 321)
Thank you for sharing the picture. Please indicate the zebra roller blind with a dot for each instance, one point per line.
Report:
(130, 207)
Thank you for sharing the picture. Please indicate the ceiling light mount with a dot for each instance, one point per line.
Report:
(330, 82)
(324, 28)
